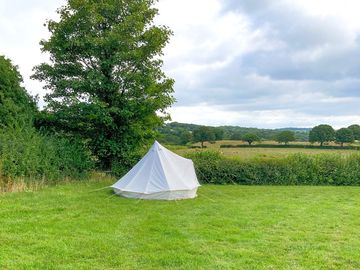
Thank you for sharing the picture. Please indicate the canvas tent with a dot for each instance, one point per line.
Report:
(159, 175)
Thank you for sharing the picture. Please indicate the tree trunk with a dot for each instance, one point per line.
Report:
(202, 144)
(321, 144)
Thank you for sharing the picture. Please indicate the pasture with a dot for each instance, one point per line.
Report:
(77, 226)
(248, 153)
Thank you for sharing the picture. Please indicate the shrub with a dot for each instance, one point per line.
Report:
(298, 169)
(120, 168)
(26, 153)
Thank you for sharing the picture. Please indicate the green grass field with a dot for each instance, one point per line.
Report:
(248, 153)
(72, 226)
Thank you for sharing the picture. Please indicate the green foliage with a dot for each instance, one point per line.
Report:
(344, 135)
(285, 136)
(181, 134)
(16, 105)
(105, 79)
(170, 133)
(356, 131)
(299, 169)
(121, 167)
(322, 134)
(250, 138)
(236, 133)
(204, 134)
(237, 136)
(186, 137)
(285, 146)
(25, 153)
(219, 133)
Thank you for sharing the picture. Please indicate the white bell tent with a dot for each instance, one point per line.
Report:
(159, 175)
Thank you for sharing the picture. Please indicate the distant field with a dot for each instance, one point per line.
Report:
(262, 152)
(234, 142)
(72, 226)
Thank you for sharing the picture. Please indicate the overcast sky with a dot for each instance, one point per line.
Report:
(254, 63)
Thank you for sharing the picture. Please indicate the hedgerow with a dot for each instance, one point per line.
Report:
(298, 169)
(27, 154)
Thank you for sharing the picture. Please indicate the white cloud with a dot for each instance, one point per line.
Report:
(206, 38)
(346, 10)
(257, 63)
(21, 29)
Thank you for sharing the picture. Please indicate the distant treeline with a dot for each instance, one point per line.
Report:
(306, 146)
(180, 133)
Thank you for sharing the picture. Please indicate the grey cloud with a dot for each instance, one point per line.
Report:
(309, 65)
(300, 34)
(236, 89)
(314, 72)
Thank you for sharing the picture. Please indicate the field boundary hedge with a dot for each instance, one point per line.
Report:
(289, 146)
(27, 154)
(298, 169)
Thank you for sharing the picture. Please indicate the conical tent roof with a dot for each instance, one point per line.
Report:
(160, 170)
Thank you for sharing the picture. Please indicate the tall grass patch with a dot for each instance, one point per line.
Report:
(298, 169)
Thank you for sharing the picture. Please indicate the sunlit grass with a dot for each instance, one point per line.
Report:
(78, 226)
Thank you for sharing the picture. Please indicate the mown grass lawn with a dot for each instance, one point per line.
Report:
(226, 227)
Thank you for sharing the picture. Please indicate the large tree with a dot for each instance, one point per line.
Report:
(344, 135)
(105, 75)
(16, 105)
(322, 134)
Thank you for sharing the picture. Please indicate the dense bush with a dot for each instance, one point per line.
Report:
(16, 105)
(309, 146)
(120, 168)
(298, 169)
(26, 153)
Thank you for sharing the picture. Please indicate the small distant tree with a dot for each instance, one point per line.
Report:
(322, 134)
(203, 134)
(285, 137)
(344, 135)
(356, 131)
(250, 138)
